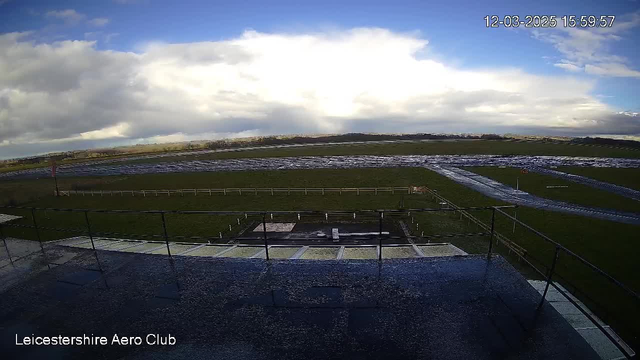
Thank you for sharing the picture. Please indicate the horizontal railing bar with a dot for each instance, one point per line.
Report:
(258, 212)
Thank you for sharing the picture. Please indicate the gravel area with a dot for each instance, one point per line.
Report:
(221, 308)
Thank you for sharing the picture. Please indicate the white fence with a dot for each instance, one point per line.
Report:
(241, 191)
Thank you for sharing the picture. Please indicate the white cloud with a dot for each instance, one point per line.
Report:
(569, 67)
(69, 16)
(364, 79)
(99, 22)
(611, 69)
(589, 49)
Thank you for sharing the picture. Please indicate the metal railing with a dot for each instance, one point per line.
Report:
(551, 272)
(378, 214)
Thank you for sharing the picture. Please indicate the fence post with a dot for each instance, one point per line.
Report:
(35, 225)
(553, 266)
(493, 221)
(5, 245)
(86, 218)
(264, 230)
(166, 236)
(380, 215)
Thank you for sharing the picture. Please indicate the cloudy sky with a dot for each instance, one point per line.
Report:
(81, 74)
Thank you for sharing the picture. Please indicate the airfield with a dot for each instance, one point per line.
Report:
(584, 198)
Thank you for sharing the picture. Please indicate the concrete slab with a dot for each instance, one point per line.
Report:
(243, 252)
(96, 242)
(601, 344)
(143, 247)
(175, 249)
(7, 217)
(440, 250)
(282, 252)
(398, 252)
(209, 250)
(565, 308)
(73, 241)
(360, 253)
(118, 245)
(321, 253)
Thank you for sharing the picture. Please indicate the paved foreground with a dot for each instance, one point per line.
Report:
(423, 308)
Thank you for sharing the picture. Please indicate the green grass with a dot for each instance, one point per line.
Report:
(17, 192)
(623, 177)
(536, 184)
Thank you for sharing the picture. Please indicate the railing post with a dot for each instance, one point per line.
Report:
(553, 266)
(4, 240)
(86, 218)
(166, 236)
(35, 225)
(264, 231)
(493, 221)
(380, 215)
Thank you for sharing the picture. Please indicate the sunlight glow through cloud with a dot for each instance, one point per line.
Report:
(365, 79)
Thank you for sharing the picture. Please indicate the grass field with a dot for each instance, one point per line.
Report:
(623, 177)
(536, 184)
(610, 246)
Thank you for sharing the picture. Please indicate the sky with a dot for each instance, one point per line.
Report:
(101, 73)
